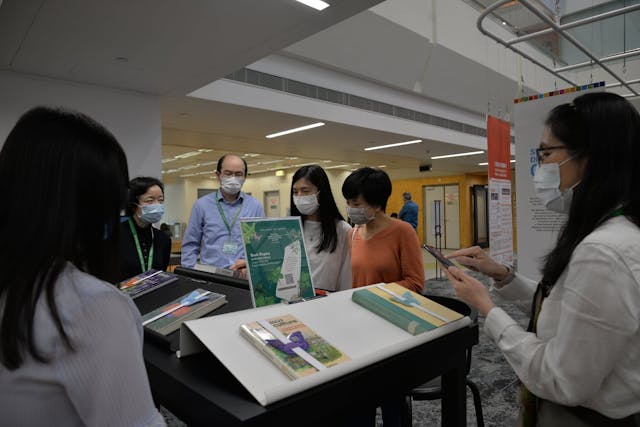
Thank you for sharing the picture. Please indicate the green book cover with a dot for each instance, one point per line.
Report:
(293, 365)
(420, 315)
(277, 263)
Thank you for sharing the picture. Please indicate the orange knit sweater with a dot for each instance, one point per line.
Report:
(392, 255)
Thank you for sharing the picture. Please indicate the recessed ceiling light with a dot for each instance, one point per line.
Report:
(447, 156)
(300, 129)
(316, 4)
(397, 144)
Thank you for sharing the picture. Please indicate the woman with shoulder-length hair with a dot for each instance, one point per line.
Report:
(71, 343)
(142, 246)
(326, 233)
(579, 359)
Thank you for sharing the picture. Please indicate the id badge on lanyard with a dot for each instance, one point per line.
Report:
(229, 247)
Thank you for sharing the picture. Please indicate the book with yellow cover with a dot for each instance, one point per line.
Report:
(294, 347)
(404, 308)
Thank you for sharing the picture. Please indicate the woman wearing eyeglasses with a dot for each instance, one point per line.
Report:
(579, 359)
(142, 246)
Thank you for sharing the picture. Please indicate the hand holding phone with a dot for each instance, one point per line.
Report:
(437, 255)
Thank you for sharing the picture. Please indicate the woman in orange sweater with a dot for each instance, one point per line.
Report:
(383, 249)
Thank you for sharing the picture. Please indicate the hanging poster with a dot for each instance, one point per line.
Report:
(537, 227)
(500, 212)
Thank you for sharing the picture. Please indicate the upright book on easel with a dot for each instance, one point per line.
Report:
(294, 347)
(277, 264)
(404, 308)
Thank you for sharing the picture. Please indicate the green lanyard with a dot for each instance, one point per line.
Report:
(617, 212)
(137, 242)
(224, 218)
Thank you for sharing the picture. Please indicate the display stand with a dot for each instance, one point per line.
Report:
(365, 337)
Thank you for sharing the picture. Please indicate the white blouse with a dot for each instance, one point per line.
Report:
(329, 271)
(102, 383)
(587, 348)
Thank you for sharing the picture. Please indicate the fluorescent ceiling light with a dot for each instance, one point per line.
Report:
(470, 153)
(380, 147)
(487, 163)
(189, 154)
(316, 4)
(170, 159)
(300, 129)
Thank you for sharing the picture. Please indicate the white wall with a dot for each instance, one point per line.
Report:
(133, 118)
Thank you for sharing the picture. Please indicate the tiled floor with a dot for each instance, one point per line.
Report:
(493, 376)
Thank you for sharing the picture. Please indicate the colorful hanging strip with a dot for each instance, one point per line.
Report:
(558, 92)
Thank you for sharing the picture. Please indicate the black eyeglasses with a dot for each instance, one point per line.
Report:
(541, 150)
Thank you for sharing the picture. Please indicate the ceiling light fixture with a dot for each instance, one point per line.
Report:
(487, 163)
(300, 129)
(316, 4)
(447, 156)
(380, 147)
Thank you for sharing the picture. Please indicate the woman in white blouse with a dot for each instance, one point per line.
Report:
(326, 234)
(71, 343)
(579, 359)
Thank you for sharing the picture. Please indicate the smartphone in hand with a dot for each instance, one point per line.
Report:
(437, 255)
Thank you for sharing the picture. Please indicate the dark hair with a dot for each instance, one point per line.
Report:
(64, 180)
(221, 160)
(406, 195)
(603, 129)
(137, 187)
(374, 185)
(328, 211)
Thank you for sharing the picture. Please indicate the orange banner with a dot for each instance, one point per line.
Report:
(499, 148)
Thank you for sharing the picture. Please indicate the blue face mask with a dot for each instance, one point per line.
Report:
(152, 213)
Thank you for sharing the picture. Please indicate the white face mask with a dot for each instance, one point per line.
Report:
(359, 215)
(546, 183)
(307, 205)
(231, 185)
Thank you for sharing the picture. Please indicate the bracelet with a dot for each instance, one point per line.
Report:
(506, 280)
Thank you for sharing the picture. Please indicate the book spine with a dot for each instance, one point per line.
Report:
(267, 351)
(389, 311)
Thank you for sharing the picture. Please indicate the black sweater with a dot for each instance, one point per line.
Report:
(129, 259)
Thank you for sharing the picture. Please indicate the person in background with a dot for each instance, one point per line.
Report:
(165, 228)
(214, 224)
(409, 212)
(579, 358)
(326, 234)
(142, 246)
(71, 350)
(382, 249)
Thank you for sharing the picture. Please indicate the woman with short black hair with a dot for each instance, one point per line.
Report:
(142, 246)
(70, 342)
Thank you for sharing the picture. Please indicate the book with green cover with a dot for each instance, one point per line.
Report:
(404, 308)
(277, 262)
(188, 307)
(292, 346)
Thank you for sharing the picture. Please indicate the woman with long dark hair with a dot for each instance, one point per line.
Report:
(579, 359)
(71, 343)
(326, 233)
(142, 246)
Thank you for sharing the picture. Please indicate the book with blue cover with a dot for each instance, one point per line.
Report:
(146, 282)
(404, 308)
